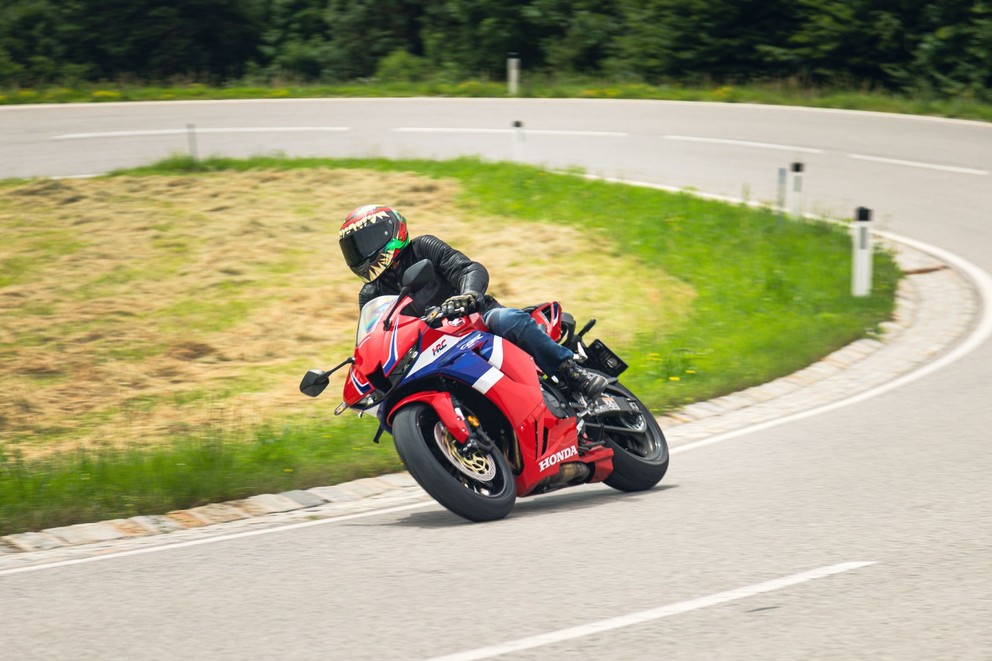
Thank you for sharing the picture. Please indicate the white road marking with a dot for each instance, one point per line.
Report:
(649, 615)
(982, 331)
(428, 129)
(743, 143)
(244, 129)
(211, 540)
(918, 164)
(979, 334)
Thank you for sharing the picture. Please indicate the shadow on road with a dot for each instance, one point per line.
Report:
(569, 499)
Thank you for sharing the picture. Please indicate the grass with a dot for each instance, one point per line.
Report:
(198, 468)
(188, 359)
(785, 92)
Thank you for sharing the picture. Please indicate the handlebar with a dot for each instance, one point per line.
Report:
(434, 316)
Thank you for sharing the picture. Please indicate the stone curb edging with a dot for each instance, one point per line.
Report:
(935, 305)
(205, 515)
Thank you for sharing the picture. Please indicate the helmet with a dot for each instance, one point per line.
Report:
(371, 238)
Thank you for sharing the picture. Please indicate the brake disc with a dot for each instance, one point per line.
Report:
(476, 465)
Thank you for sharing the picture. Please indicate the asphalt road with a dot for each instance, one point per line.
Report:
(864, 532)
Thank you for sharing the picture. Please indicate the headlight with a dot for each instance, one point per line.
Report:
(370, 400)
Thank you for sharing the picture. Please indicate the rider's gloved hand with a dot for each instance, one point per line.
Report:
(461, 305)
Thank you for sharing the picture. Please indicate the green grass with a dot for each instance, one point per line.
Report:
(785, 92)
(200, 467)
(772, 295)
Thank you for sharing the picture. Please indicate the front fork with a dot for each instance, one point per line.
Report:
(465, 428)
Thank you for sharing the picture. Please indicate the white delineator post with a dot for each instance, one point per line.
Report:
(862, 252)
(780, 202)
(512, 73)
(518, 140)
(796, 194)
(191, 141)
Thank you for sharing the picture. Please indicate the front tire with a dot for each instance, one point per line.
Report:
(479, 487)
(640, 451)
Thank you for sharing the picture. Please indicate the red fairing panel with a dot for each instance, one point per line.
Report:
(443, 406)
(548, 318)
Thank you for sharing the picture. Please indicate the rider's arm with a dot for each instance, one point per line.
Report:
(367, 293)
(464, 274)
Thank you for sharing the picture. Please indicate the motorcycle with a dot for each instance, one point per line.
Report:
(472, 419)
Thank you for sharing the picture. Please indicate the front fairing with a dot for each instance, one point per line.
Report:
(379, 351)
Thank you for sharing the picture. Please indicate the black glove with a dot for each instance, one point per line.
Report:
(461, 305)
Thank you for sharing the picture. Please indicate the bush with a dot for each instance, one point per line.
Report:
(401, 67)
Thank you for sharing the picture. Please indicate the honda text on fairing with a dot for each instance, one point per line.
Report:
(473, 420)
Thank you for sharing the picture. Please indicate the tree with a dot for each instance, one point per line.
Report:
(722, 39)
(159, 39)
(32, 49)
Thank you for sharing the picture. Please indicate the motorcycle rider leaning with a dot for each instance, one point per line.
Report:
(377, 247)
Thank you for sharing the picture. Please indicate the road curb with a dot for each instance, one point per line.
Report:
(936, 306)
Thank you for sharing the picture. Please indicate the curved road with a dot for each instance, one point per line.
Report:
(864, 532)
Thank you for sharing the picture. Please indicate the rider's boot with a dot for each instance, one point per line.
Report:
(588, 383)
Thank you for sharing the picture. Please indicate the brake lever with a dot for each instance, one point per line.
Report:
(433, 318)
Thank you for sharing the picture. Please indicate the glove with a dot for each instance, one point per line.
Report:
(461, 305)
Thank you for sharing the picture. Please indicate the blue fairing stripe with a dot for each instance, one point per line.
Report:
(391, 362)
(361, 387)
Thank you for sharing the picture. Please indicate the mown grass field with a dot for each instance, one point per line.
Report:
(154, 324)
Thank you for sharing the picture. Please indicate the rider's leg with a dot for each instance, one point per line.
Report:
(518, 327)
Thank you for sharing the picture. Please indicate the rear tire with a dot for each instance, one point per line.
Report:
(478, 488)
(640, 451)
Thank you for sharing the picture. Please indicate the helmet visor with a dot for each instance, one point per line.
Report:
(363, 244)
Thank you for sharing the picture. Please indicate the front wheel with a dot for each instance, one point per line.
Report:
(478, 487)
(640, 451)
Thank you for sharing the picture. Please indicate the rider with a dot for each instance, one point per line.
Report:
(378, 249)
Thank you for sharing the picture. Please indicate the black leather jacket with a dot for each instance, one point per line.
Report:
(454, 274)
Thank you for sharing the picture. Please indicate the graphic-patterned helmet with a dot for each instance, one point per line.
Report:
(371, 238)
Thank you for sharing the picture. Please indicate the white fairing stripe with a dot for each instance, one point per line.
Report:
(496, 360)
(441, 346)
(488, 380)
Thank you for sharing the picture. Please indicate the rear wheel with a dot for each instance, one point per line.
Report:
(640, 451)
(478, 487)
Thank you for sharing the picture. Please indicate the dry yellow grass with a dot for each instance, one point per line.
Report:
(135, 307)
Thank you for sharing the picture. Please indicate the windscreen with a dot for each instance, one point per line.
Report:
(372, 314)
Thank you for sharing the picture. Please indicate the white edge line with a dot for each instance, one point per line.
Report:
(983, 329)
(649, 615)
(980, 278)
(210, 540)
(918, 164)
(743, 143)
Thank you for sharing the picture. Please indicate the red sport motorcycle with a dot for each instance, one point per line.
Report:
(475, 422)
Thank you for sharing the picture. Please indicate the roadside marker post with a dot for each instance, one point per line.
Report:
(191, 140)
(796, 196)
(862, 252)
(780, 202)
(512, 73)
(518, 140)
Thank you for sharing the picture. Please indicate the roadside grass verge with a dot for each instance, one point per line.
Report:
(784, 92)
(154, 356)
(210, 465)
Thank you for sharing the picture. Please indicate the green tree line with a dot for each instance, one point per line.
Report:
(942, 47)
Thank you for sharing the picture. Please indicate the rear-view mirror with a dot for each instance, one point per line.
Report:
(419, 275)
(313, 383)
